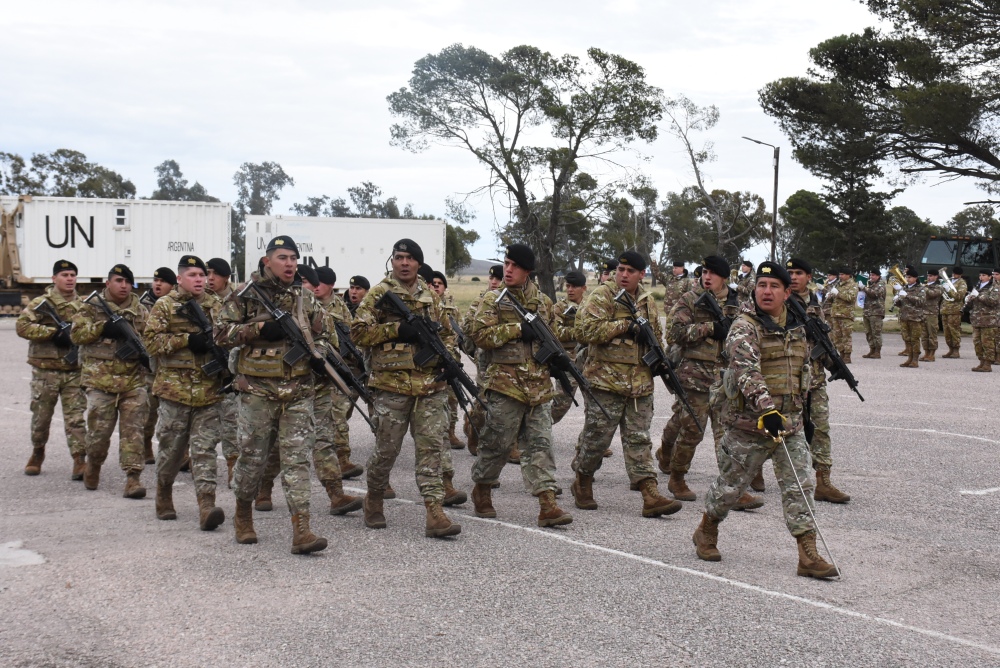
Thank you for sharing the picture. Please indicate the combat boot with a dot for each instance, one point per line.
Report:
(905, 352)
(825, 490)
(810, 563)
(583, 492)
(706, 538)
(514, 456)
(91, 474)
(911, 362)
(984, 366)
(471, 435)
(148, 453)
(34, 465)
(340, 503)
(133, 486)
(243, 523)
(305, 541)
(679, 488)
(663, 454)
(757, 484)
(928, 356)
(186, 462)
(263, 501)
(438, 525)
(867, 355)
(165, 502)
(454, 440)
(230, 465)
(481, 499)
(389, 492)
(952, 354)
(79, 465)
(876, 354)
(608, 453)
(349, 469)
(846, 358)
(748, 502)
(452, 496)
(655, 504)
(374, 515)
(209, 514)
(549, 514)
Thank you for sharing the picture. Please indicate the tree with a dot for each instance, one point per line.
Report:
(62, 173)
(257, 186)
(171, 185)
(499, 110)
(910, 235)
(974, 221)
(457, 239)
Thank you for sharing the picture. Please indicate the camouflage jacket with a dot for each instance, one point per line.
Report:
(673, 288)
(826, 303)
(393, 366)
(39, 330)
(875, 298)
(811, 303)
(614, 359)
(691, 328)
(985, 310)
(744, 289)
(448, 312)
(911, 307)
(102, 370)
(565, 324)
(341, 316)
(260, 367)
(178, 369)
(508, 362)
(955, 307)
(768, 369)
(933, 296)
(844, 301)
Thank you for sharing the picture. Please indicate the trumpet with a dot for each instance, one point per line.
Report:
(949, 288)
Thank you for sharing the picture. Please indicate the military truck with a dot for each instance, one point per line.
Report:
(969, 253)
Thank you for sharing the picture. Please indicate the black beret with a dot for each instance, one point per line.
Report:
(773, 270)
(188, 261)
(326, 275)
(607, 266)
(307, 273)
(496, 271)
(716, 265)
(164, 274)
(360, 282)
(426, 272)
(522, 256)
(409, 246)
(678, 263)
(799, 263)
(126, 273)
(985, 271)
(220, 267)
(958, 270)
(746, 263)
(63, 265)
(910, 271)
(284, 242)
(697, 271)
(876, 271)
(846, 270)
(439, 275)
(575, 278)
(632, 259)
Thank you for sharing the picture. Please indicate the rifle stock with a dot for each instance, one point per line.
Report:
(131, 345)
(46, 308)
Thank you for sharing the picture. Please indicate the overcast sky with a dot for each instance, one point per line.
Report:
(215, 84)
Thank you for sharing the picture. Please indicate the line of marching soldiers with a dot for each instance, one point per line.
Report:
(749, 369)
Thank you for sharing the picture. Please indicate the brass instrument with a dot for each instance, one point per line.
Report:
(896, 277)
(950, 289)
(734, 276)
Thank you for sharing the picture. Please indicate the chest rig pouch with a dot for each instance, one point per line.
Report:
(621, 349)
(514, 351)
(184, 358)
(399, 356)
(265, 359)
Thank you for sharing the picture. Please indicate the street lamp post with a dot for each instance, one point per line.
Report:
(774, 218)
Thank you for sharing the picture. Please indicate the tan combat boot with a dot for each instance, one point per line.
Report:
(471, 435)
(438, 525)
(663, 454)
(926, 357)
(374, 515)
(454, 440)
(389, 492)
(133, 486)
(230, 465)
(810, 563)
(305, 541)
(825, 490)
(481, 499)
(186, 462)
(349, 469)
(706, 537)
(930, 356)
(984, 366)
(243, 523)
(452, 496)
(34, 465)
(679, 488)
(655, 504)
(91, 474)
(550, 514)
(340, 503)
(847, 358)
(583, 492)
(952, 354)
(905, 352)
(876, 354)
(148, 453)
(165, 502)
(79, 466)
(263, 501)
(911, 362)
(757, 484)
(209, 514)
(608, 453)
(748, 502)
(514, 456)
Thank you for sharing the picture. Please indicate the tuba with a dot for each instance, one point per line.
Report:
(949, 288)
(896, 277)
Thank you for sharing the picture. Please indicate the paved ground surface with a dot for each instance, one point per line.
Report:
(103, 583)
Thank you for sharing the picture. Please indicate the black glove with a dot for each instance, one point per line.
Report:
(318, 365)
(773, 423)
(527, 334)
(408, 333)
(719, 331)
(198, 342)
(61, 338)
(271, 331)
(112, 330)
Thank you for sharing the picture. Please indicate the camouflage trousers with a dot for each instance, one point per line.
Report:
(104, 410)
(563, 402)
(929, 335)
(152, 415)
(47, 388)
(229, 410)
(393, 414)
(267, 424)
(342, 410)
(985, 341)
(686, 433)
(632, 415)
(819, 413)
(179, 428)
(840, 334)
(741, 454)
(511, 421)
(324, 451)
(452, 410)
(911, 332)
(952, 323)
(873, 331)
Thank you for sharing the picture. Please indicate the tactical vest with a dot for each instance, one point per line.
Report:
(264, 359)
(184, 358)
(104, 349)
(708, 349)
(621, 349)
(514, 351)
(396, 355)
(782, 355)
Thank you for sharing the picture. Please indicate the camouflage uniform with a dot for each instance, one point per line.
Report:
(189, 416)
(565, 330)
(951, 317)
(673, 288)
(333, 434)
(744, 290)
(52, 378)
(985, 319)
(116, 389)
(404, 392)
(477, 416)
(874, 314)
(911, 317)
(818, 401)
(842, 317)
(276, 400)
(518, 391)
(449, 311)
(768, 369)
(228, 408)
(933, 294)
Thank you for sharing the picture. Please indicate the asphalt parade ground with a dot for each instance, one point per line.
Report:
(93, 579)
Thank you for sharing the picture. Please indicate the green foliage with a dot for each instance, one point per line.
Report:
(61, 173)
(909, 235)
(975, 221)
(257, 186)
(458, 239)
(171, 185)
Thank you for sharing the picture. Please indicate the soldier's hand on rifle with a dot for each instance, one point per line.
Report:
(61, 338)
(407, 333)
(271, 331)
(527, 334)
(719, 331)
(198, 342)
(318, 365)
(772, 422)
(112, 330)
(631, 328)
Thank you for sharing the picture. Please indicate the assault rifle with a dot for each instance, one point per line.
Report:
(463, 342)
(46, 308)
(299, 347)
(347, 347)
(551, 352)
(708, 302)
(219, 363)
(816, 331)
(656, 358)
(148, 299)
(130, 345)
